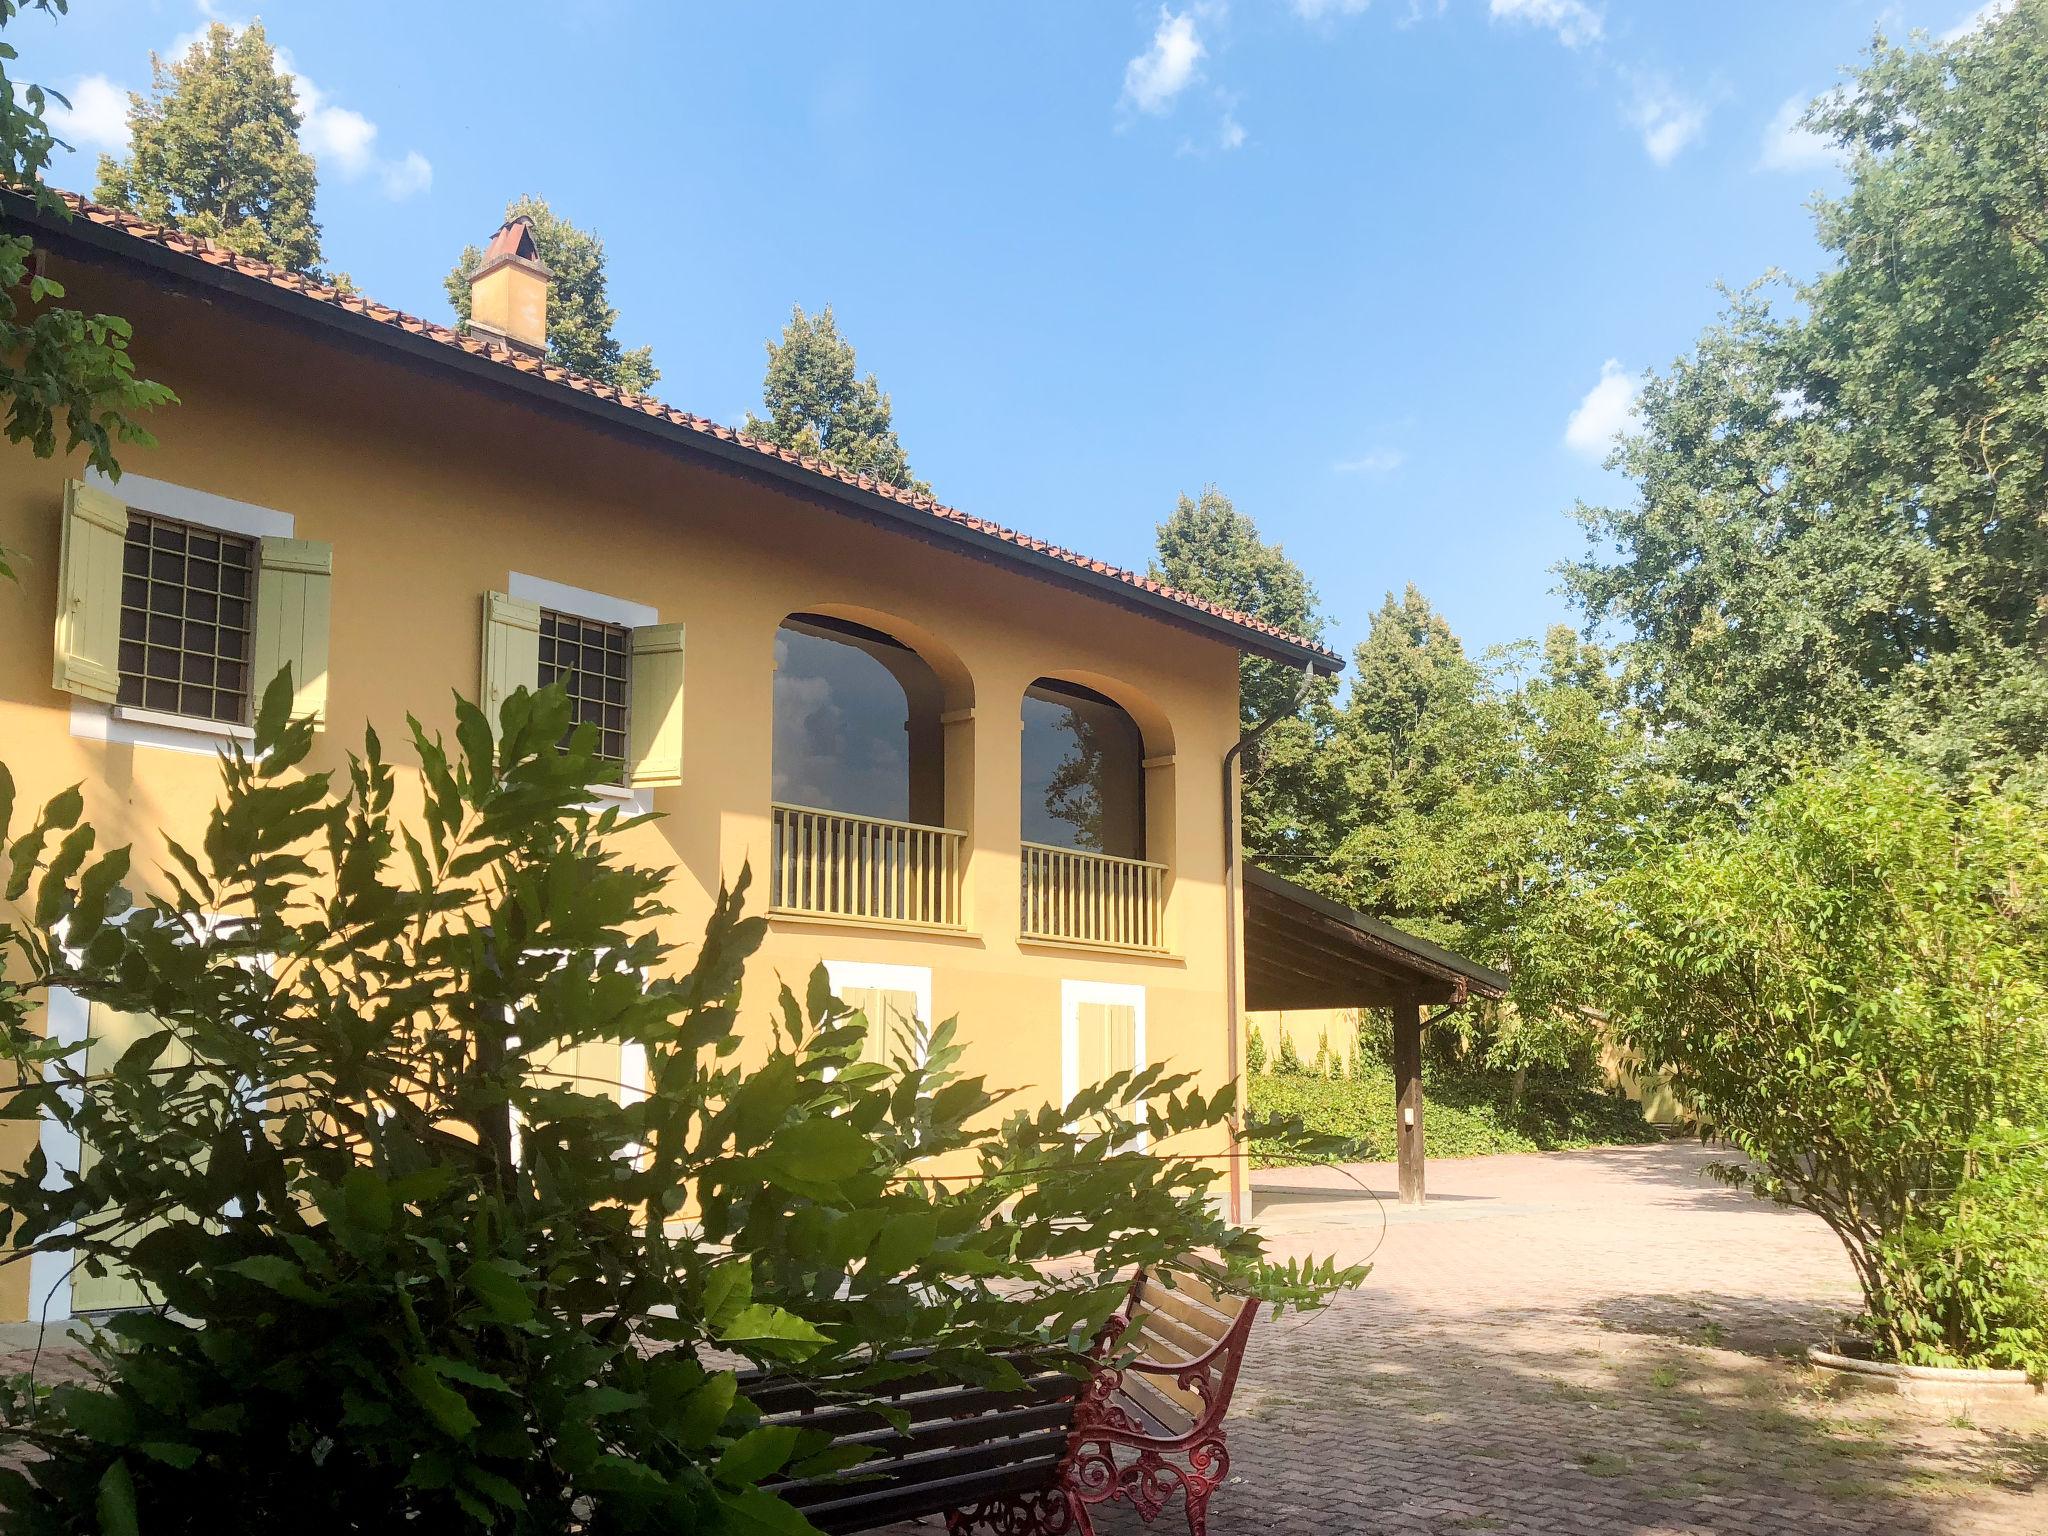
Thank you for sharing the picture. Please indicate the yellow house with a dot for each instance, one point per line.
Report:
(973, 774)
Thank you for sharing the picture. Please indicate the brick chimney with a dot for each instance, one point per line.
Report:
(508, 292)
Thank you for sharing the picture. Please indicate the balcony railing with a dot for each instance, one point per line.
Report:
(1093, 898)
(865, 867)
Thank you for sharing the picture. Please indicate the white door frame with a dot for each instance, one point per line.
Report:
(1112, 994)
(846, 975)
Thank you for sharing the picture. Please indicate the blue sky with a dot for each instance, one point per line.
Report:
(1383, 272)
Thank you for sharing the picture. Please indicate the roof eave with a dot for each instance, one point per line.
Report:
(60, 231)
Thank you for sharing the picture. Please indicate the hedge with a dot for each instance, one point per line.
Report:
(1467, 1113)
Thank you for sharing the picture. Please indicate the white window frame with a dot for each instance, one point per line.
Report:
(1112, 994)
(845, 975)
(582, 603)
(130, 724)
(68, 1019)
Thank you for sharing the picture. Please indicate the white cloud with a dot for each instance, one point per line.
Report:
(1983, 16)
(1374, 461)
(1667, 119)
(337, 137)
(403, 178)
(1316, 10)
(1608, 410)
(1155, 77)
(1230, 135)
(1574, 22)
(1791, 146)
(340, 139)
(97, 117)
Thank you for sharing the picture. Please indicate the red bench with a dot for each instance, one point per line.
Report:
(1149, 1430)
(1033, 1463)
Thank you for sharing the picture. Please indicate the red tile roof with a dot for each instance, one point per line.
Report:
(476, 346)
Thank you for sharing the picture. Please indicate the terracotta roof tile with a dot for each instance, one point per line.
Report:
(476, 346)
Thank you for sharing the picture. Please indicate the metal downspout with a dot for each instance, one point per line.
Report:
(1233, 897)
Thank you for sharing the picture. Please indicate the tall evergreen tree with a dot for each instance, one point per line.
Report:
(581, 318)
(1840, 526)
(818, 403)
(58, 365)
(214, 150)
(1210, 549)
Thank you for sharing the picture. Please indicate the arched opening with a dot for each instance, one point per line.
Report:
(1083, 826)
(1083, 771)
(859, 775)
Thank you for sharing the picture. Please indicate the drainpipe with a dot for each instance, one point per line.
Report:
(1233, 895)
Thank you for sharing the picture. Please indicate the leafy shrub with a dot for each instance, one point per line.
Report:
(1467, 1115)
(1288, 1062)
(413, 1267)
(1254, 1051)
(1853, 989)
(1981, 1260)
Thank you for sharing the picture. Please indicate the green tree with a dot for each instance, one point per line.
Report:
(1852, 988)
(818, 404)
(1208, 548)
(55, 362)
(1483, 801)
(1840, 526)
(581, 318)
(416, 1264)
(214, 150)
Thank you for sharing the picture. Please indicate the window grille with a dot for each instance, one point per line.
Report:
(186, 614)
(593, 661)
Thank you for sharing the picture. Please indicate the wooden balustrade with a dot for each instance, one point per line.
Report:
(826, 864)
(1093, 898)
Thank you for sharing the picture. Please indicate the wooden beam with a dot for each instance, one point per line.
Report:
(1408, 1098)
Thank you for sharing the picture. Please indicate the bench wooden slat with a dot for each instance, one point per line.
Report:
(1202, 1289)
(1167, 1340)
(1185, 1310)
(780, 1394)
(885, 1506)
(890, 1444)
(926, 1401)
(1162, 1402)
(944, 1465)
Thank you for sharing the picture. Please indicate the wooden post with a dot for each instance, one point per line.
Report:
(1408, 1098)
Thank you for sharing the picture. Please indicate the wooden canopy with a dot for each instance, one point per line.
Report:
(1302, 950)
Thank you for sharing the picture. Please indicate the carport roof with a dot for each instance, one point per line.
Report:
(1302, 950)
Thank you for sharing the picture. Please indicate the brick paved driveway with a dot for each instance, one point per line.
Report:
(1589, 1344)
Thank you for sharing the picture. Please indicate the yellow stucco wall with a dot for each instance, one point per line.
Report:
(1309, 1029)
(432, 493)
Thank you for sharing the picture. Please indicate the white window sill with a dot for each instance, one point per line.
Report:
(612, 792)
(136, 715)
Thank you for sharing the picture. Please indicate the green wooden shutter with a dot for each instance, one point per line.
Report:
(293, 607)
(511, 649)
(655, 699)
(95, 533)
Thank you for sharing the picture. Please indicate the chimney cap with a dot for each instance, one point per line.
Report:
(512, 245)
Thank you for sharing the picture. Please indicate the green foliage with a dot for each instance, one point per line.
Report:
(1981, 1261)
(1840, 529)
(581, 318)
(56, 362)
(1287, 1061)
(1478, 803)
(819, 405)
(1254, 1051)
(214, 151)
(1468, 1114)
(411, 1265)
(1852, 988)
